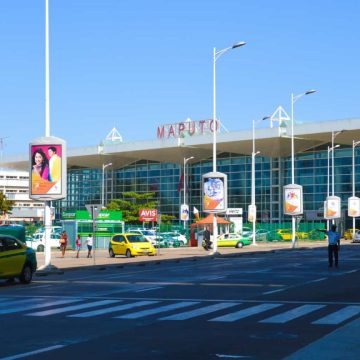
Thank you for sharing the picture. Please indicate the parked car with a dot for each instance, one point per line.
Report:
(130, 244)
(37, 242)
(357, 237)
(246, 231)
(175, 237)
(348, 234)
(260, 235)
(16, 260)
(232, 240)
(149, 234)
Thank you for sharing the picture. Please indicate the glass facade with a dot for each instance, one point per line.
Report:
(165, 180)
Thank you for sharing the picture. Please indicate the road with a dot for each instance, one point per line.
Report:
(275, 305)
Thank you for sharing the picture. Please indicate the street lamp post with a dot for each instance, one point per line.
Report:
(216, 56)
(253, 155)
(185, 161)
(330, 149)
(103, 183)
(355, 143)
(294, 98)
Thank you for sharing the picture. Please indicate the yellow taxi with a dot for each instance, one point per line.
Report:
(130, 244)
(285, 234)
(348, 234)
(16, 260)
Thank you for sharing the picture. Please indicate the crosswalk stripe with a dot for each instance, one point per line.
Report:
(112, 309)
(72, 307)
(246, 312)
(338, 316)
(45, 303)
(18, 302)
(198, 312)
(292, 314)
(143, 313)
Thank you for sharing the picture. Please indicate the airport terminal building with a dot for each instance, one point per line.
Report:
(158, 166)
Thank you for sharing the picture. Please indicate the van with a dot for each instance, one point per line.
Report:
(37, 242)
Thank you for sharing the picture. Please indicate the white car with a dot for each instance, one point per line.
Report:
(37, 242)
(149, 235)
(357, 236)
(177, 236)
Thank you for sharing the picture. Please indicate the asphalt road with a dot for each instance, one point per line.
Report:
(274, 305)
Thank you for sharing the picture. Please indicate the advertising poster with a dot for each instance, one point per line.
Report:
(214, 192)
(293, 199)
(354, 206)
(46, 169)
(184, 216)
(332, 207)
(252, 213)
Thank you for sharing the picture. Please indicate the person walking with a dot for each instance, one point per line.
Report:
(63, 243)
(333, 245)
(78, 245)
(89, 244)
(207, 241)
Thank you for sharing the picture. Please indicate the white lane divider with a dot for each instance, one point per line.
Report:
(35, 352)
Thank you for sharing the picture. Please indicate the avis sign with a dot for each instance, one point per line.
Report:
(148, 214)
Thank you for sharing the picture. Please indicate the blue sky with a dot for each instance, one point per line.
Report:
(137, 64)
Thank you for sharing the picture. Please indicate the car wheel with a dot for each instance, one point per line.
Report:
(26, 274)
(111, 253)
(239, 245)
(40, 248)
(128, 253)
(181, 243)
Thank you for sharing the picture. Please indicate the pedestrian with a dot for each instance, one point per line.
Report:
(333, 245)
(89, 244)
(78, 245)
(207, 241)
(63, 243)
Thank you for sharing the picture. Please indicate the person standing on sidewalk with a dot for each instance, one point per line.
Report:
(333, 245)
(63, 243)
(89, 244)
(78, 245)
(207, 240)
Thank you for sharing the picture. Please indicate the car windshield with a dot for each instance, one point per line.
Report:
(136, 238)
(148, 232)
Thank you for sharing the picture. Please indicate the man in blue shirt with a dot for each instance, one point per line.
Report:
(333, 245)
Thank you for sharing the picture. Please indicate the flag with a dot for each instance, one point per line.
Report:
(181, 183)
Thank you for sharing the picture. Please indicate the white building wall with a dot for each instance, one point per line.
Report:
(15, 186)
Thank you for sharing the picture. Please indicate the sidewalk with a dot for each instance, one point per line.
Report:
(102, 258)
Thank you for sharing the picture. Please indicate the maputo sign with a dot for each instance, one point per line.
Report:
(186, 128)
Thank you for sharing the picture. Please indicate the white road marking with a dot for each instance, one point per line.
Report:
(73, 307)
(338, 316)
(157, 310)
(292, 314)
(45, 303)
(149, 289)
(39, 351)
(257, 309)
(112, 309)
(198, 312)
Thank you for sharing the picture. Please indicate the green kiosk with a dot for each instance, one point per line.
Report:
(107, 224)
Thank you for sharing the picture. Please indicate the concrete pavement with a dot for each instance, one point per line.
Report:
(101, 257)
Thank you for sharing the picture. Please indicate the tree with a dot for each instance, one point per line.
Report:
(5, 204)
(132, 202)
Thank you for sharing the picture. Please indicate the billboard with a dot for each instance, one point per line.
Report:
(293, 204)
(332, 208)
(353, 206)
(184, 212)
(47, 168)
(214, 192)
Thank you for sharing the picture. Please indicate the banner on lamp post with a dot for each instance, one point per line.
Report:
(252, 213)
(293, 199)
(214, 192)
(332, 208)
(184, 216)
(353, 206)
